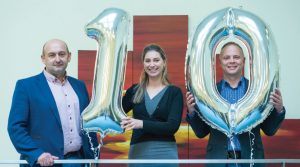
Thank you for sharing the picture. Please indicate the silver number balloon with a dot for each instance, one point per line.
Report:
(104, 113)
(232, 25)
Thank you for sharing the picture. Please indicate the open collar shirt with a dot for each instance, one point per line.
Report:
(67, 104)
(232, 95)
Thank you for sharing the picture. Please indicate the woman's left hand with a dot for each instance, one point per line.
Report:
(131, 123)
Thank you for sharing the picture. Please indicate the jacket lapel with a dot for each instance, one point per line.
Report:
(46, 91)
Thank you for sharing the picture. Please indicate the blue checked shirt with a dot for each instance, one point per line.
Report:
(232, 95)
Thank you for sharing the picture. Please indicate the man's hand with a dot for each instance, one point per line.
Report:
(46, 159)
(190, 102)
(276, 100)
(131, 123)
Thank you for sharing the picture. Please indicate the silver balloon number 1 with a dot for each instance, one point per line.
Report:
(104, 113)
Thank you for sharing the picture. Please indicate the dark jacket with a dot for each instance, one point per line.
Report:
(217, 142)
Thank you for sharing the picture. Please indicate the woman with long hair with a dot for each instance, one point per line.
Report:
(157, 110)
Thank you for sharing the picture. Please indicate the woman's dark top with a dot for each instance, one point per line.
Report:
(164, 121)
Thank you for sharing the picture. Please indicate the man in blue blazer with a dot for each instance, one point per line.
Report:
(44, 121)
(233, 87)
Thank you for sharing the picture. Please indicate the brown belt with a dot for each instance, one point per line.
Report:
(71, 154)
(234, 155)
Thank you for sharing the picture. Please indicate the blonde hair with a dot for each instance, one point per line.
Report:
(144, 78)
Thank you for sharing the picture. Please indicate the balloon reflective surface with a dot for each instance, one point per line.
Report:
(250, 32)
(104, 113)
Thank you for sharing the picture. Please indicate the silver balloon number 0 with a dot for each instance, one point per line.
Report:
(104, 113)
(252, 34)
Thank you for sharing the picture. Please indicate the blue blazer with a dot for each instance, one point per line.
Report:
(34, 124)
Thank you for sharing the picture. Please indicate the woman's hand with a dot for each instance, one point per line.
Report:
(131, 123)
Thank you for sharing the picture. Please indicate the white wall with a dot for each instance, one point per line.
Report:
(26, 25)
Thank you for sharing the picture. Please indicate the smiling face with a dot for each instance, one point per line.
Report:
(56, 57)
(153, 64)
(232, 61)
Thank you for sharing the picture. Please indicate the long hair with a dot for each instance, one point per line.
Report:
(144, 78)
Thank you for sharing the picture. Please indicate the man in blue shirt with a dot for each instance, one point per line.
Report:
(233, 87)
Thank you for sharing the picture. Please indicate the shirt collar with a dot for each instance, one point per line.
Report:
(51, 78)
(224, 83)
